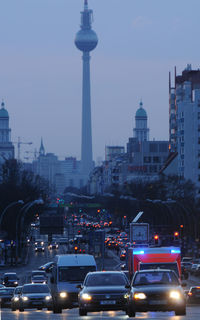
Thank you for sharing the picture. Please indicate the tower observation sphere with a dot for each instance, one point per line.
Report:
(86, 39)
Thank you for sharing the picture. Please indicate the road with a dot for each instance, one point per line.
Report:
(193, 313)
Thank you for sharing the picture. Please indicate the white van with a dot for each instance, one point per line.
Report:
(69, 270)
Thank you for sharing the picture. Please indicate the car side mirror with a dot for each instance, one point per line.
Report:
(127, 286)
(79, 286)
(183, 284)
(52, 280)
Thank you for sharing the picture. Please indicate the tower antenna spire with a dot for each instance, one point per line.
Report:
(86, 4)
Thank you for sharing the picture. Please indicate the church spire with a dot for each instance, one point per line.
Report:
(42, 150)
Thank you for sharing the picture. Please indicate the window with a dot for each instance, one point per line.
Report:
(156, 159)
(147, 159)
(153, 147)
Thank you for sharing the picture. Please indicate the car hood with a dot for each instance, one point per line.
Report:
(105, 289)
(35, 295)
(156, 288)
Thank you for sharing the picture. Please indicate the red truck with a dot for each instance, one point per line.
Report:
(153, 258)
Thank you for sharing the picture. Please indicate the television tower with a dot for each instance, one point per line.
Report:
(86, 40)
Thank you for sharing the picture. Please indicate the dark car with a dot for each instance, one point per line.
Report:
(103, 291)
(53, 245)
(39, 279)
(35, 296)
(46, 267)
(15, 298)
(10, 279)
(156, 290)
(193, 295)
(6, 296)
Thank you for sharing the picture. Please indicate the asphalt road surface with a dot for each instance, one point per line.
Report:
(193, 313)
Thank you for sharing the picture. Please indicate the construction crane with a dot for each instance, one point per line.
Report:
(35, 153)
(19, 142)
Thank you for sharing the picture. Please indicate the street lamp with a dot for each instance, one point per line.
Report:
(24, 210)
(9, 206)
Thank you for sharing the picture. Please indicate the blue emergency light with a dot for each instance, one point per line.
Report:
(175, 251)
(138, 252)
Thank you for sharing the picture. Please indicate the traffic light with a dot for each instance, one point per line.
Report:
(176, 235)
(98, 210)
(75, 249)
(156, 239)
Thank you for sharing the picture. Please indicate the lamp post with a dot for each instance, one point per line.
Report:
(21, 215)
(12, 204)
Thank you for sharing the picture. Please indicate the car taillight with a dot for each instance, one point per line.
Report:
(189, 293)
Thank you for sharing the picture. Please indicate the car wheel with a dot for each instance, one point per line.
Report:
(57, 310)
(180, 312)
(39, 308)
(21, 309)
(82, 312)
(13, 309)
(131, 313)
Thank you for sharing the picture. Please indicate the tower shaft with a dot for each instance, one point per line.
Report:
(86, 145)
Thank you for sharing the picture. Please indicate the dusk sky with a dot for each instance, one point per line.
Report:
(140, 41)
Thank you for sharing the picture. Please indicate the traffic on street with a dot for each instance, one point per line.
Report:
(94, 270)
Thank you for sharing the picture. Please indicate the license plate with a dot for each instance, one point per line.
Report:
(157, 302)
(108, 302)
(36, 303)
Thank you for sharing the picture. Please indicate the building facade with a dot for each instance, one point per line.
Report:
(6, 146)
(186, 93)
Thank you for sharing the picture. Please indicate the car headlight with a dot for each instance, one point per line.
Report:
(48, 298)
(86, 296)
(16, 299)
(42, 243)
(63, 294)
(15, 282)
(139, 296)
(126, 295)
(175, 295)
(25, 298)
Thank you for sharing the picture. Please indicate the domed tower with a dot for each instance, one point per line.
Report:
(141, 132)
(6, 147)
(86, 40)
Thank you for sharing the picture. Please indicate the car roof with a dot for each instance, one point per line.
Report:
(154, 270)
(7, 273)
(106, 272)
(35, 284)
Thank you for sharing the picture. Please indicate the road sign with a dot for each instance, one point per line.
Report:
(139, 232)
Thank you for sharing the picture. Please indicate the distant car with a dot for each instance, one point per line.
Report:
(193, 268)
(156, 290)
(15, 298)
(103, 291)
(53, 245)
(46, 267)
(35, 296)
(39, 246)
(10, 279)
(6, 296)
(193, 295)
(186, 265)
(38, 273)
(39, 279)
(123, 255)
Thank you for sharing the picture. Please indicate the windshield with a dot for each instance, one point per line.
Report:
(35, 289)
(106, 279)
(74, 274)
(157, 277)
(171, 266)
(38, 278)
(10, 277)
(18, 290)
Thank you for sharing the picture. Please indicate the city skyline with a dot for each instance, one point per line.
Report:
(40, 78)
